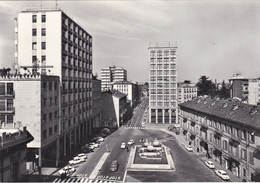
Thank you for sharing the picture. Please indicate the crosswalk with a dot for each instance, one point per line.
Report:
(137, 127)
(82, 180)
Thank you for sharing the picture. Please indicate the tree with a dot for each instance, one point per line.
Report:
(187, 81)
(206, 87)
(224, 92)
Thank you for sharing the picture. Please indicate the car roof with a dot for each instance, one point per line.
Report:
(114, 162)
(209, 161)
(222, 171)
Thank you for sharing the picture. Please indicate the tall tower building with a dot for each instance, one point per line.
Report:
(49, 42)
(110, 75)
(163, 85)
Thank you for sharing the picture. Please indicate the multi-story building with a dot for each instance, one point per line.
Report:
(254, 91)
(110, 75)
(186, 91)
(96, 107)
(34, 100)
(130, 89)
(51, 42)
(226, 130)
(163, 85)
(115, 109)
(13, 152)
(238, 87)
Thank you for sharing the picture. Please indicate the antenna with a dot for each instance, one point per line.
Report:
(56, 4)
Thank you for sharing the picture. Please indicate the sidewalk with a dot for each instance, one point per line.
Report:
(201, 156)
(232, 177)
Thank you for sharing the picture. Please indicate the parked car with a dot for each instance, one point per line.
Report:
(76, 160)
(100, 139)
(67, 170)
(123, 145)
(131, 142)
(222, 174)
(93, 144)
(114, 166)
(141, 140)
(210, 164)
(188, 148)
(82, 155)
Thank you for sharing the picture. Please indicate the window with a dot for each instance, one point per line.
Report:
(244, 172)
(34, 18)
(44, 134)
(252, 137)
(50, 86)
(50, 116)
(34, 32)
(56, 100)
(44, 117)
(55, 114)
(43, 45)
(251, 158)
(44, 101)
(55, 129)
(43, 58)
(43, 18)
(55, 86)
(50, 131)
(43, 32)
(50, 100)
(225, 144)
(34, 45)
(34, 59)
(44, 85)
(243, 154)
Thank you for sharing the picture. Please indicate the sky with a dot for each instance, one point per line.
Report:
(214, 38)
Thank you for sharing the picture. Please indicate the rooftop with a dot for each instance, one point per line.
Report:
(232, 110)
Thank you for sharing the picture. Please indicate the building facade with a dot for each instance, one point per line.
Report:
(254, 91)
(49, 42)
(163, 85)
(239, 87)
(130, 89)
(40, 96)
(13, 152)
(227, 131)
(110, 75)
(186, 92)
(96, 108)
(115, 109)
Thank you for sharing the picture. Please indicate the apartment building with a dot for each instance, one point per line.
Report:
(226, 130)
(50, 42)
(110, 75)
(34, 100)
(130, 89)
(163, 85)
(186, 92)
(115, 109)
(13, 140)
(254, 91)
(96, 107)
(239, 87)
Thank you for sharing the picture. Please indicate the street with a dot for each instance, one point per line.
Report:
(188, 165)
